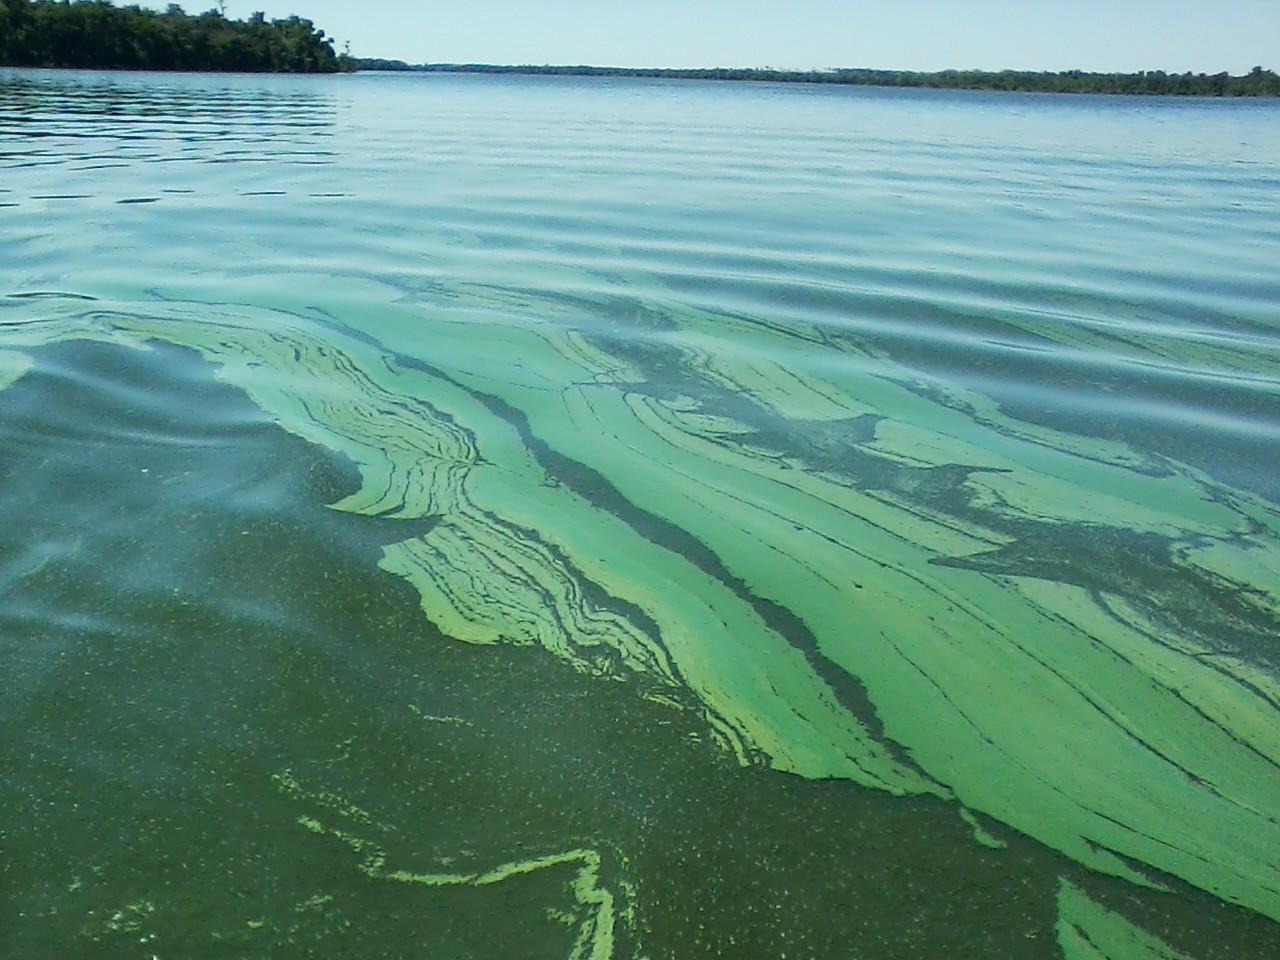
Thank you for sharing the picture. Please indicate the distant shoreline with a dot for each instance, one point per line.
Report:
(1257, 83)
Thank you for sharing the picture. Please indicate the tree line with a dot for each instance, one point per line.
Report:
(98, 34)
(1257, 83)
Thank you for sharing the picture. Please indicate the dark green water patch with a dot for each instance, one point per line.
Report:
(228, 734)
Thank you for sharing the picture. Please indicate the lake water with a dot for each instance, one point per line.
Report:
(545, 518)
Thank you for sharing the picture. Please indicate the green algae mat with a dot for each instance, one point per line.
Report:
(494, 578)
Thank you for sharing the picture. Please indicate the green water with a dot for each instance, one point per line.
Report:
(545, 518)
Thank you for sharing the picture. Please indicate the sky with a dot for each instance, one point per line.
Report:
(1103, 35)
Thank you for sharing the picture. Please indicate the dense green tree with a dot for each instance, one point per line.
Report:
(98, 34)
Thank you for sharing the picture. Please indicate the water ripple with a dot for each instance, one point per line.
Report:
(923, 442)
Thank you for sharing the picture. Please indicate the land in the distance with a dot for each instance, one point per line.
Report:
(97, 34)
(1256, 83)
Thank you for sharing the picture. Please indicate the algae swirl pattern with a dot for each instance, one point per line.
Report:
(854, 572)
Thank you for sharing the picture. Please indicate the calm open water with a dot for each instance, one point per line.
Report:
(613, 519)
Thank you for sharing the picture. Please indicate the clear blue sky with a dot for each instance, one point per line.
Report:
(1209, 35)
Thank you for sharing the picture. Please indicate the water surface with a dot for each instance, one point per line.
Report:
(542, 517)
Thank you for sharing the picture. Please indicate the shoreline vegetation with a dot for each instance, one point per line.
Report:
(96, 34)
(1257, 83)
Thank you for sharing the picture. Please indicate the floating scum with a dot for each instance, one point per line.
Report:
(690, 531)
(596, 910)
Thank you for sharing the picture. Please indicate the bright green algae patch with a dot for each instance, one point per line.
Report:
(1088, 931)
(227, 625)
(683, 534)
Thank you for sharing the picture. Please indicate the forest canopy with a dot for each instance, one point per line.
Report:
(98, 34)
